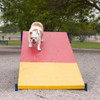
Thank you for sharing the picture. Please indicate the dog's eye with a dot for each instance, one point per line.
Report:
(35, 37)
(31, 37)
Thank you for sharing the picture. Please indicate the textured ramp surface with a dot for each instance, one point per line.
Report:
(55, 48)
(54, 67)
(50, 76)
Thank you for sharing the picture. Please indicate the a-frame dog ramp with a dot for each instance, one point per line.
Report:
(54, 67)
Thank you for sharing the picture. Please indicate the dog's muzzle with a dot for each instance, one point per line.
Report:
(34, 41)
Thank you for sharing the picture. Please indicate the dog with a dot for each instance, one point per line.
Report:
(35, 34)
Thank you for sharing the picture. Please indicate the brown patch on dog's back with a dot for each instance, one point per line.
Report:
(38, 24)
(35, 30)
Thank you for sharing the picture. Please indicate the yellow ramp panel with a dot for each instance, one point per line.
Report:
(49, 76)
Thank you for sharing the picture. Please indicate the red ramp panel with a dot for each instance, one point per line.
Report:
(55, 48)
(54, 67)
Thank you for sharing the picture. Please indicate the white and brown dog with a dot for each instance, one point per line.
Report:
(35, 34)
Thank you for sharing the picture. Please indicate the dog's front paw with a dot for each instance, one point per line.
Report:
(42, 40)
(39, 49)
(30, 46)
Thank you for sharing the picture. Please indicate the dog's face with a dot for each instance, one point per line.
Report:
(34, 36)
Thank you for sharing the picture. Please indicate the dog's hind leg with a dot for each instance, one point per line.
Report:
(41, 36)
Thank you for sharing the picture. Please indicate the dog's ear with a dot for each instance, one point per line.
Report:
(30, 33)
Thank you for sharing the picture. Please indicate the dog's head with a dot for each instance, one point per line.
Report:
(34, 36)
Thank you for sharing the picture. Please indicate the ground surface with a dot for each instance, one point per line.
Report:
(89, 65)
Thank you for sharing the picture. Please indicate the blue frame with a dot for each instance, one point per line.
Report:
(86, 86)
(16, 87)
(67, 34)
(21, 36)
